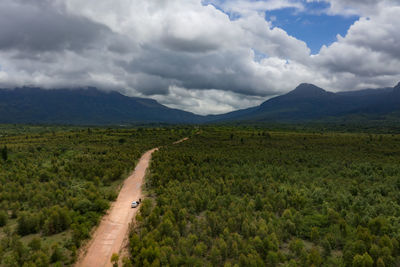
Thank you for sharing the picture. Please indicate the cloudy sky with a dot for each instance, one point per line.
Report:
(204, 56)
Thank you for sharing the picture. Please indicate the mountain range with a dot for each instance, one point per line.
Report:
(90, 106)
(308, 102)
(85, 107)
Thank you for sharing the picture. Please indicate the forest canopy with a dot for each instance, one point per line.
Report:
(228, 196)
(57, 182)
(252, 197)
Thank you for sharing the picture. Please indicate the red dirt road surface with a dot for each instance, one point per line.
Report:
(182, 140)
(109, 236)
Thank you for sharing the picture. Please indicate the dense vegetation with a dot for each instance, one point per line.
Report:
(56, 183)
(249, 197)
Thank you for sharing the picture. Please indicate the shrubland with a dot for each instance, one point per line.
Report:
(252, 197)
(57, 182)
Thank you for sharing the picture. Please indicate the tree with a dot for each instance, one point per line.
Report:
(4, 153)
(314, 234)
(267, 135)
(115, 259)
(41, 259)
(57, 255)
(314, 257)
(364, 260)
(215, 256)
(258, 203)
(327, 247)
(3, 218)
(27, 224)
(272, 258)
(296, 246)
(57, 221)
(126, 262)
(380, 263)
(200, 249)
(35, 244)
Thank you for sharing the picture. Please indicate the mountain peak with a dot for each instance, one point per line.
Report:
(307, 90)
(397, 87)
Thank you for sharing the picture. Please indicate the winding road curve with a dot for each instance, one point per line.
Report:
(113, 229)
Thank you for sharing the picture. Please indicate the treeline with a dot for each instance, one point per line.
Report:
(243, 197)
(56, 185)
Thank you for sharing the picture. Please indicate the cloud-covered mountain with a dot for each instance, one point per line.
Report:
(203, 56)
(306, 103)
(84, 107)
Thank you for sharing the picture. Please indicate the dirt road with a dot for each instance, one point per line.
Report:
(109, 236)
(182, 140)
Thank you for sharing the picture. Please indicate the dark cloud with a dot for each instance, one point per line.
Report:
(192, 46)
(189, 55)
(223, 70)
(42, 28)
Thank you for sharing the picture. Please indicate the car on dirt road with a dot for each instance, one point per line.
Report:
(134, 204)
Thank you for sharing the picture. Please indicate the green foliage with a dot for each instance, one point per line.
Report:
(58, 182)
(364, 260)
(4, 153)
(314, 258)
(296, 246)
(115, 259)
(35, 244)
(28, 223)
(3, 218)
(126, 262)
(57, 221)
(239, 196)
(57, 255)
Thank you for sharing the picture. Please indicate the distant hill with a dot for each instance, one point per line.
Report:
(84, 107)
(308, 102)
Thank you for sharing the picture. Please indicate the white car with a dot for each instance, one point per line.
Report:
(134, 204)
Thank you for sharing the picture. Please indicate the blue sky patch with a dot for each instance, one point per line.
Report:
(312, 25)
(259, 56)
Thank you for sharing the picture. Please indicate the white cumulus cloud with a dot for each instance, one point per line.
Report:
(203, 56)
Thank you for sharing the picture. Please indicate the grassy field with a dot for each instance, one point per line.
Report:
(253, 197)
